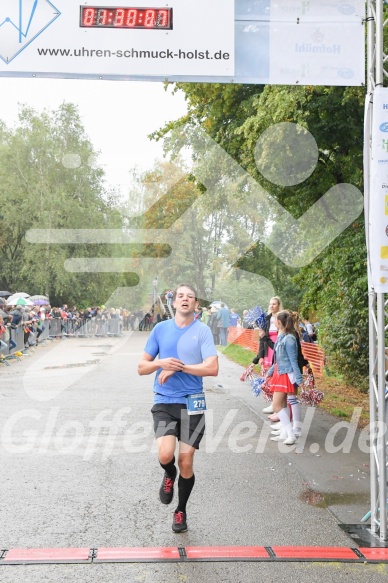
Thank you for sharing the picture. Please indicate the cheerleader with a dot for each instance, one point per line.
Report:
(285, 373)
(268, 337)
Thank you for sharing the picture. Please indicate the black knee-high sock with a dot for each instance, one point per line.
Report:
(170, 468)
(185, 485)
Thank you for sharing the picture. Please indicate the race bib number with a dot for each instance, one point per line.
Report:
(196, 404)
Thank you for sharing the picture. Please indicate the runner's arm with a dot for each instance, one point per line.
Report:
(207, 368)
(148, 364)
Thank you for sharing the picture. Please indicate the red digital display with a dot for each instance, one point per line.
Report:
(126, 17)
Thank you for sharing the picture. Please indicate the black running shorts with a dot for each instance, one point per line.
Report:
(172, 419)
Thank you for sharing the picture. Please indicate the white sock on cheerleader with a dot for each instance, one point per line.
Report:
(286, 423)
(295, 406)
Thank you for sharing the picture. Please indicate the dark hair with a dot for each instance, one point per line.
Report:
(296, 320)
(186, 285)
(286, 321)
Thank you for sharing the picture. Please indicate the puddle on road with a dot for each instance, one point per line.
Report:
(96, 345)
(73, 365)
(326, 499)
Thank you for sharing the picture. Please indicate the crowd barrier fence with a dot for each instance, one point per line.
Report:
(55, 328)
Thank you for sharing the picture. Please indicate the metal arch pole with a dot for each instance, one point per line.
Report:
(381, 438)
(370, 43)
(379, 50)
(381, 435)
(374, 489)
(377, 359)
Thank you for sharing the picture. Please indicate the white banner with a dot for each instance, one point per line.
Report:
(378, 195)
(317, 10)
(46, 36)
(307, 42)
(317, 54)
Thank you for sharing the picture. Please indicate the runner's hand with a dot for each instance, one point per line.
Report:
(173, 364)
(164, 375)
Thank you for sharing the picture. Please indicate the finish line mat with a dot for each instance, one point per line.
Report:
(192, 554)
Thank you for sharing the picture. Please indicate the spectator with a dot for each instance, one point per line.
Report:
(245, 324)
(234, 318)
(87, 315)
(169, 296)
(268, 338)
(198, 313)
(146, 322)
(310, 329)
(6, 314)
(9, 330)
(37, 325)
(305, 335)
(212, 323)
(223, 323)
(3, 345)
(285, 374)
(269, 335)
(125, 316)
(205, 315)
(17, 316)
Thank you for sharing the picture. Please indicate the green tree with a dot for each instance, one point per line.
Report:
(236, 117)
(49, 180)
(335, 287)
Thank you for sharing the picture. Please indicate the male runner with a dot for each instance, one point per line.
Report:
(186, 354)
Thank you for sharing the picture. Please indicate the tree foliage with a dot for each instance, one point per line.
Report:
(336, 292)
(333, 287)
(206, 233)
(49, 180)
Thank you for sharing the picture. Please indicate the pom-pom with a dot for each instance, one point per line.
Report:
(247, 374)
(266, 390)
(256, 316)
(310, 395)
(265, 387)
(257, 383)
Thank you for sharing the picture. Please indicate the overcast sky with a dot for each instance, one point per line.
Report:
(117, 115)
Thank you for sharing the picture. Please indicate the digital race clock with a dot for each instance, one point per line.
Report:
(126, 17)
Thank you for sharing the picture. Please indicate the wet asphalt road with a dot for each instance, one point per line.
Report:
(79, 469)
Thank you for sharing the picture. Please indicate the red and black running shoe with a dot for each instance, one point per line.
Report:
(180, 522)
(166, 492)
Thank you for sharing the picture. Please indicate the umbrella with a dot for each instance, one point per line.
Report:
(24, 302)
(20, 302)
(40, 300)
(4, 294)
(20, 295)
(2, 302)
(11, 301)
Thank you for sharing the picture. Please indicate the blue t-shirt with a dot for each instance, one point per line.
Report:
(192, 345)
(234, 318)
